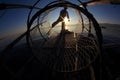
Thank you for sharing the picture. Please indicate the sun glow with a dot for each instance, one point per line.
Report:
(66, 19)
(66, 27)
(66, 22)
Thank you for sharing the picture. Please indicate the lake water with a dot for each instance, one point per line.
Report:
(111, 34)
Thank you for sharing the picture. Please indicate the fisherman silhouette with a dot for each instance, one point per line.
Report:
(62, 15)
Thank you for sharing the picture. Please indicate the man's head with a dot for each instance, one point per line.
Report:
(65, 7)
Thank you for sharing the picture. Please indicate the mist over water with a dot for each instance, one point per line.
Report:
(8, 39)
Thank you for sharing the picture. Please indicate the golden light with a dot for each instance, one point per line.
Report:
(66, 20)
(66, 27)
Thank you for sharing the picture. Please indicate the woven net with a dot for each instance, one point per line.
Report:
(71, 51)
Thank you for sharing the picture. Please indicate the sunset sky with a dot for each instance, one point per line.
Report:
(14, 20)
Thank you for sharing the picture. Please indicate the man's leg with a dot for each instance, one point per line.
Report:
(54, 24)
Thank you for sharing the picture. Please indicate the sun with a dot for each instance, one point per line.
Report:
(66, 22)
(65, 19)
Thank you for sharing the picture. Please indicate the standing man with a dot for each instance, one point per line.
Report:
(62, 15)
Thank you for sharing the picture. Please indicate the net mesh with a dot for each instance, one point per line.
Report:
(71, 51)
(66, 54)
